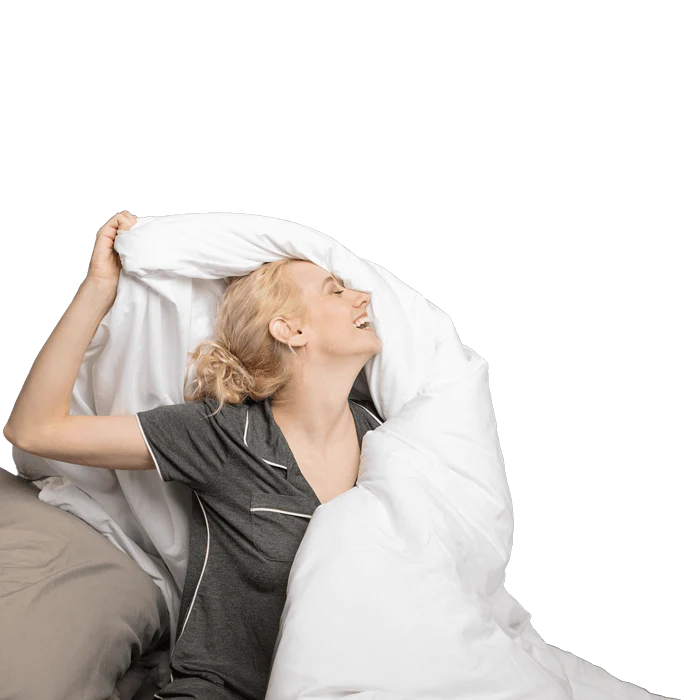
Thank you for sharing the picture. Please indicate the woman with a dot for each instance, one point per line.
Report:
(267, 434)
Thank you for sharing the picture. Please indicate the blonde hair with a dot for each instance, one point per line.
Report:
(243, 358)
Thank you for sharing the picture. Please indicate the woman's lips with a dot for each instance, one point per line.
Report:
(366, 321)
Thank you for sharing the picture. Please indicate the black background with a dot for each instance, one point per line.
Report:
(543, 279)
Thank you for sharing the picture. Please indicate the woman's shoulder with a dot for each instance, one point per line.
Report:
(223, 411)
(198, 409)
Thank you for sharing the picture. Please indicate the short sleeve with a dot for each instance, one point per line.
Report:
(185, 442)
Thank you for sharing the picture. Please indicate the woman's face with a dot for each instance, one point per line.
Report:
(332, 309)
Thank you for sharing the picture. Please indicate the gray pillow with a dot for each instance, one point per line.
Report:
(79, 619)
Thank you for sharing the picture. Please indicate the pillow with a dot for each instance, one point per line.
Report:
(79, 619)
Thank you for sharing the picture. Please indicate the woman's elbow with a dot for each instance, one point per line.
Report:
(28, 439)
(11, 435)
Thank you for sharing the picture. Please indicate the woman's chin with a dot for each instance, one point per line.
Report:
(377, 343)
(372, 341)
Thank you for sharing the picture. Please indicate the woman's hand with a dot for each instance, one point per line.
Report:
(105, 263)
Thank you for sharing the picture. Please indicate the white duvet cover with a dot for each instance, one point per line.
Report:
(397, 590)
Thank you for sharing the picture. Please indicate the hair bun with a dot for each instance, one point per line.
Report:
(234, 371)
(220, 373)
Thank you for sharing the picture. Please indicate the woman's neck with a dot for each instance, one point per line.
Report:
(315, 411)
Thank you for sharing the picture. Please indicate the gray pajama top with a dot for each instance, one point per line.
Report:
(251, 506)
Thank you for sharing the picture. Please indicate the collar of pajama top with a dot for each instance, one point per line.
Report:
(265, 439)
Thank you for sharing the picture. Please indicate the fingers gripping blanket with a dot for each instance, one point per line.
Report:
(397, 590)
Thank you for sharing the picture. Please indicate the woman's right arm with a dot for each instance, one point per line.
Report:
(40, 422)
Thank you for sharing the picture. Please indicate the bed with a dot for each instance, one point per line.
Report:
(397, 590)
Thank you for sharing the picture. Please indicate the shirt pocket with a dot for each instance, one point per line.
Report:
(279, 522)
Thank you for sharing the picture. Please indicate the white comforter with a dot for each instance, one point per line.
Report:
(397, 589)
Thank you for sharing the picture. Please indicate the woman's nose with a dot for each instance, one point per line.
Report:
(363, 298)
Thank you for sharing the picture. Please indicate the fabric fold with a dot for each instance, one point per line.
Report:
(397, 590)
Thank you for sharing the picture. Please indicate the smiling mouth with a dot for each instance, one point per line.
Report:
(364, 325)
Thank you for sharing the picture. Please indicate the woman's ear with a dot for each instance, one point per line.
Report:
(286, 332)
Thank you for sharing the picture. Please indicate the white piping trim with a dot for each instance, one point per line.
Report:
(368, 411)
(286, 512)
(206, 558)
(245, 440)
(153, 457)
(194, 597)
